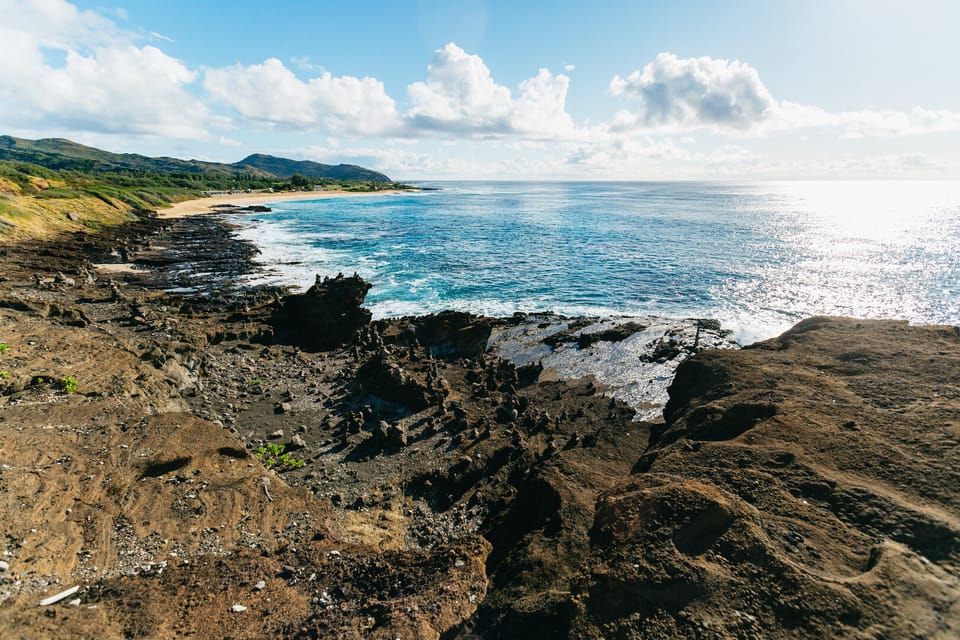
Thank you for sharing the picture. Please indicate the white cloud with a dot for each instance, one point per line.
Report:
(460, 96)
(569, 67)
(305, 63)
(691, 92)
(624, 156)
(272, 94)
(104, 84)
(394, 162)
(861, 124)
(57, 24)
(541, 107)
(683, 94)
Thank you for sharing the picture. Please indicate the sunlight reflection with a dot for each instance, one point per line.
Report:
(887, 211)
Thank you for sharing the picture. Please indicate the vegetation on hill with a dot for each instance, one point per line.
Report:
(57, 185)
(57, 153)
(283, 167)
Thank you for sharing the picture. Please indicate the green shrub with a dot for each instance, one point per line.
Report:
(69, 384)
(273, 455)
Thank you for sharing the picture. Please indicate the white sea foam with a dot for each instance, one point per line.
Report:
(759, 257)
(626, 369)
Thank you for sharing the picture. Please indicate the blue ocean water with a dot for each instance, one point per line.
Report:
(757, 256)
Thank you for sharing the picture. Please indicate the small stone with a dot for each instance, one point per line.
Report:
(4, 565)
(260, 586)
(276, 434)
(297, 442)
(238, 608)
(397, 436)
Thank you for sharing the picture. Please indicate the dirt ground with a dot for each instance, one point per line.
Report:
(806, 486)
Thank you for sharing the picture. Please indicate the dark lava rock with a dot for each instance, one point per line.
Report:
(388, 379)
(448, 334)
(327, 315)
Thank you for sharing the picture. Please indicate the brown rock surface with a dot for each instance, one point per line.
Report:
(804, 487)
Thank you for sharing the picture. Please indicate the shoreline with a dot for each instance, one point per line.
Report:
(199, 206)
(416, 457)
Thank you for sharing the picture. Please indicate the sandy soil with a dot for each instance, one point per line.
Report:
(205, 205)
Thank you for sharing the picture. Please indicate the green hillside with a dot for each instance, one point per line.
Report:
(284, 168)
(61, 154)
(55, 185)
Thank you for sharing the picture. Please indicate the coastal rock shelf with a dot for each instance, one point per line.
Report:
(197, 473)
(632, 358)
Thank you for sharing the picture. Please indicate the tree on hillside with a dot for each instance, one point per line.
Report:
(298, 181)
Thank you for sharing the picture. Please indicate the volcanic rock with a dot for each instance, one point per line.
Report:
(327, 315)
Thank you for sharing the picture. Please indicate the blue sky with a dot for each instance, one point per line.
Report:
(485, 89)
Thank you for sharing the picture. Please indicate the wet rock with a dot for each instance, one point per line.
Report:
(614, 334)
(665, 349)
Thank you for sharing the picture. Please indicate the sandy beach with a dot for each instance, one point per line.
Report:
(205, 205)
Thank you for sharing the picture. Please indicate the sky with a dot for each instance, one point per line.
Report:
(484, 89)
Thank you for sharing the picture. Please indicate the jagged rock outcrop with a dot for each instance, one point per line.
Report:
(327, 315)
(448, 334)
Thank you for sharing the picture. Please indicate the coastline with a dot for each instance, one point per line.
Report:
(426, 461)
(200, 206)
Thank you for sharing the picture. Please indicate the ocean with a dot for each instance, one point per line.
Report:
(757, 256)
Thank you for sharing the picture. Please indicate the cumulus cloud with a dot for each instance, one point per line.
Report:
(682, 94)
(685, 93)
(273, 94)
(104, 82)
(460, 96)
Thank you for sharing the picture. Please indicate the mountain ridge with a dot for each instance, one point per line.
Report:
(64, 154)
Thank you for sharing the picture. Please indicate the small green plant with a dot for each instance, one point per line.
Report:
(273, 455)
(69, 384)
(255, 382)
(4, 347)
(4, 375)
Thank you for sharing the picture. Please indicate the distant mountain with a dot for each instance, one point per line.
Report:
(58, 153)
(284, 168)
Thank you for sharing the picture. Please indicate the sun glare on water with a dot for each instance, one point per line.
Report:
(874, 211)
(858, 248)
